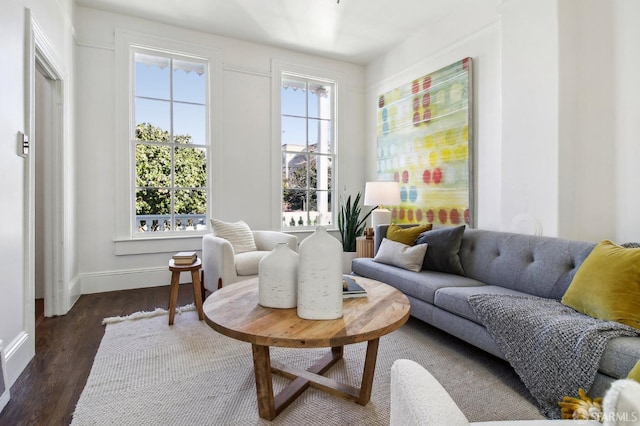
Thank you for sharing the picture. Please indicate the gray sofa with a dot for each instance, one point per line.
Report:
(497, 263)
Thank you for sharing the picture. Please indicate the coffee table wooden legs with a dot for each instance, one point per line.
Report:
(264, 385)
(269, 406)
(369, 370)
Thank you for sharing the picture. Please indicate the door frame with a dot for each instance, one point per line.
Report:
(56, 295)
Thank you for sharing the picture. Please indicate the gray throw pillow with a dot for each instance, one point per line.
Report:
(444, 246)
(401, 255)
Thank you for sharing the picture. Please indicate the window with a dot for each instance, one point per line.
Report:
(308, 151)
(169, 142)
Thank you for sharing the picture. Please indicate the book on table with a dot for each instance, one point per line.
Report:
(184, 258)
(350, 288)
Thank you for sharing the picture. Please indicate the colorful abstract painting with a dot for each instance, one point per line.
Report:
(424, 143)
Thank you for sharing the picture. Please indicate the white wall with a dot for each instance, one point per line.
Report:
(242, 167)
(16, 303)
(472, 33)
(587, 119)
(556, 122)
(626, 130)
(529, 116)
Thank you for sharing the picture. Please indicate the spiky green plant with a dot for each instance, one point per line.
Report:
(349, 222)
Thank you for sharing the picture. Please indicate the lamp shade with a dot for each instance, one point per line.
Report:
(381, 193)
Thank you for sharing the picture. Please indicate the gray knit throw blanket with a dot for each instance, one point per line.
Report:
(554, 349)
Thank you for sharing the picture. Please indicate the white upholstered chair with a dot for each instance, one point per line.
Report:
(222, 266)
(418, 399)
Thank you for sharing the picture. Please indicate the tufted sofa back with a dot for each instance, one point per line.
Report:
(542, 266)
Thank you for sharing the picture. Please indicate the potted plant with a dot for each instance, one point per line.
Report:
(351, 226)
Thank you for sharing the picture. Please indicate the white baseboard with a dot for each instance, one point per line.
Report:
(18, 354)
(75, 291)
(4, 399)
(127, 279)
(4, 382)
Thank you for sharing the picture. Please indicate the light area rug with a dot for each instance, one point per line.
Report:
(149, 373)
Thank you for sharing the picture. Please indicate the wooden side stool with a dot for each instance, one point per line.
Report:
(175, 282)
(364, 247)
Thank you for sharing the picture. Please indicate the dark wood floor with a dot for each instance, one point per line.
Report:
(47, 391)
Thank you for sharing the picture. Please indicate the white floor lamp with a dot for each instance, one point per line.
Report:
(381, 194)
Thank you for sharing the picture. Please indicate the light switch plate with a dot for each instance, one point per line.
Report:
(23, 144)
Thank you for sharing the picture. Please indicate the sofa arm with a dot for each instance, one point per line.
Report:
(218, 262)
(267, 240)
(417, 398)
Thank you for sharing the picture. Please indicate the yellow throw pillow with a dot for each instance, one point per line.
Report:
(634, 374)
(408, 235)
(607, 285)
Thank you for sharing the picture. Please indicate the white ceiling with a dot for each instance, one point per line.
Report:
(352, 30)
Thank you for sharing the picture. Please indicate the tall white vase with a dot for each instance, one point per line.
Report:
(278, 278)
(320, 277)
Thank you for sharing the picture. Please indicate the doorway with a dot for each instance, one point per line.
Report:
(43, 150)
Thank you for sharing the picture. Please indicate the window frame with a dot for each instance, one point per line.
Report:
(171, 144)
(127, 241)
(281, 71)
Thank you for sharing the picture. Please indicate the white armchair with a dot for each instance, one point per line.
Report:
(418, 399)
(221, 266)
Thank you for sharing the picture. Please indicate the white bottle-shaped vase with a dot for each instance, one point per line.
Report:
(320, 277)
(278, 278)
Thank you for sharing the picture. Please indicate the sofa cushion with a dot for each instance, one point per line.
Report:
(406, 235)
(456, 299)
(607, 285)
(238, 234)
(420, 285)
(401, 255)
(444, 245)
(247, 262)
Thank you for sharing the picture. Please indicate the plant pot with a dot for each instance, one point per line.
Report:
(347, 258)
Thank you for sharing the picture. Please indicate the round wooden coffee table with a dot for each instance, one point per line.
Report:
(234, 311)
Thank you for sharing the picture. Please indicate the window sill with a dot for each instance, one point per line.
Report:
(307, 230)
(168, 244)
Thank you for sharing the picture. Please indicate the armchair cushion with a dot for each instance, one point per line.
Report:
(621, 405)
(247, 262)
(417, 398)
(238, 234)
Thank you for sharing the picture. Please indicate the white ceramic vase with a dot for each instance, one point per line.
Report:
(278, 278)
(320, 277)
